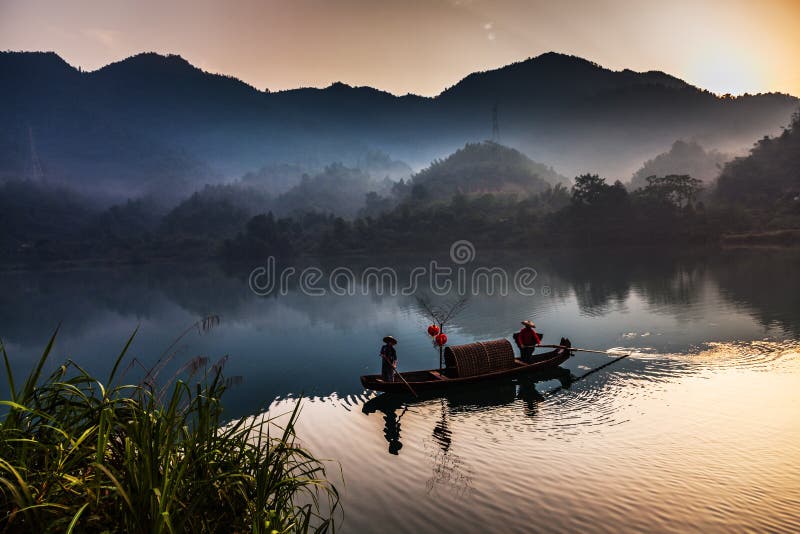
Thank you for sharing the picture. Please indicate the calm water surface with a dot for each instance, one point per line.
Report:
(698, 430)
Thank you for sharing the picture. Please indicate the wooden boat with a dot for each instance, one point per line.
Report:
(490, 393)
(467, 364)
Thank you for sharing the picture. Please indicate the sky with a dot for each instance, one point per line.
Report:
(422, 47)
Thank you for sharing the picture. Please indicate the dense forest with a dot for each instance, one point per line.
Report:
(757, 195)
(491, 194)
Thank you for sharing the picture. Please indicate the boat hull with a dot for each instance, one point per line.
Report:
(431, 379)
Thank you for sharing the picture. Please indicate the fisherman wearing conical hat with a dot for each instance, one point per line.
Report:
(527, 339)
(388, 359)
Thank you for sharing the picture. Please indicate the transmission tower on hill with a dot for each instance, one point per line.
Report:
(495, 125)
(36, 174)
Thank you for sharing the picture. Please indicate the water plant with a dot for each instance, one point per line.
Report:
(81, 455)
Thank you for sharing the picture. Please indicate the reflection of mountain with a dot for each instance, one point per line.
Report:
(763, 281)
(666, 280)
(662, 277)
(79, 300)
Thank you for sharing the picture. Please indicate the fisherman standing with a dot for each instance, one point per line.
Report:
(388, 359)
(527, 339)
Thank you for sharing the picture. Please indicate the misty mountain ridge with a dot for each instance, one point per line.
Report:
(683, 157)
(153, 124)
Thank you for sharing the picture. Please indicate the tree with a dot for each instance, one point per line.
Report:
(591, 190)
(679, 190)
(555, 197)
(769, 176)
(588, 189)
(600, 213)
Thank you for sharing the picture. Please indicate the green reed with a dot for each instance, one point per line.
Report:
(77, 454)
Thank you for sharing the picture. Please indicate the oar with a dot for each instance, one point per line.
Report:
(573, 348)
(401, 376)
(587, 373)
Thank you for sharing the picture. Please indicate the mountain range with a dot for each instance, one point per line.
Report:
(154, 124)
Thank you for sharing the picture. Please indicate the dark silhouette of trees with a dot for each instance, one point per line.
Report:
(504, 204)
(590, 190)
(599, 214)
(762, 190)
(678, 190)
(771, 170)
(264, 236)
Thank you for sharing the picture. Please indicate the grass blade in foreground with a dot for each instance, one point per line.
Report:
(85, 456)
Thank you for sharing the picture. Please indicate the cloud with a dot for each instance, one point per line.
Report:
(105, 37)
(491, 35)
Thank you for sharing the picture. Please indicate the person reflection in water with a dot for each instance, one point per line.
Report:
(388, 406)
(388, 359)
(530, 396)
(392, 430)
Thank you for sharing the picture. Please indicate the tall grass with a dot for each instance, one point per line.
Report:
(77, 454)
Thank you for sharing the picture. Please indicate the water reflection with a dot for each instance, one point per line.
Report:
(392, 430)
(697, 430)
(601, 282)
(448, 468)
(463, 400)
(286, 345)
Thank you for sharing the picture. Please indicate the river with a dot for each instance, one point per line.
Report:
(699, 429)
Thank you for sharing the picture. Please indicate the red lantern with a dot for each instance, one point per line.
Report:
(433, 330)
(441, 339)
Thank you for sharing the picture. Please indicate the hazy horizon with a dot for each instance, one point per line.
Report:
(434, 95)
(724, 47)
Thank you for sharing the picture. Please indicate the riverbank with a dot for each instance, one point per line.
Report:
(778, 238)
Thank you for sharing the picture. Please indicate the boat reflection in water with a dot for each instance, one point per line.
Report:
(467, 398)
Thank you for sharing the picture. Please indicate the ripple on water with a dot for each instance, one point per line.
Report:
(761, 355)
(656, 441)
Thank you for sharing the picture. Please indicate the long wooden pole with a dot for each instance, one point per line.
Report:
(587, 373)
(573, 348)
(401, 376)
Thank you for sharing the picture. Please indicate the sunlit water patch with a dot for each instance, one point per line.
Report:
(672, 442)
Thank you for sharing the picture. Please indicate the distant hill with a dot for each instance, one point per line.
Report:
(549, 78)
(485, 167)
(768, 176)
(153, 124)
(684, 157)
